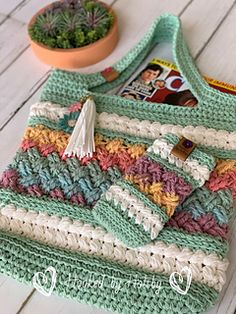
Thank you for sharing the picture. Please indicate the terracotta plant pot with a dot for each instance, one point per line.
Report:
(76, 57)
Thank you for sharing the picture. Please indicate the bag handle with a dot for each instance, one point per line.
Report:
(166, 28)
(215, 109)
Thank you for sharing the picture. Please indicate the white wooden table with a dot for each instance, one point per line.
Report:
(209, 28)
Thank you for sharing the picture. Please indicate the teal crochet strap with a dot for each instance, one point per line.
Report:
(215, 109)
(98, 282)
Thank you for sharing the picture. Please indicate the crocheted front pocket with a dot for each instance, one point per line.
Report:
(136, 207)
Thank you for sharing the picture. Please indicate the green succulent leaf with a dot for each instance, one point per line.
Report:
(47, 23)
(69, 21)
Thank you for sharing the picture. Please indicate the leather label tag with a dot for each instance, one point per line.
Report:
(110, 74)
(183, 148)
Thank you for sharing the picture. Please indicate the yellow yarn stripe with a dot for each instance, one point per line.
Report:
(42, 135)
(156, 194)
(225, 165)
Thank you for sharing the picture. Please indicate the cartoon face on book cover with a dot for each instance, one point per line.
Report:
(158, 82)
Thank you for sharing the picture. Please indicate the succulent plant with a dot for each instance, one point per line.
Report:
(64, 40)
(95, 17)
(71, 24)
(80, 40)
(47, 23)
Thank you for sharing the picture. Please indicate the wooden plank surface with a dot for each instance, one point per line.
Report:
(208, 27)
(199, 28)
(2, 18)
(58, 305)
(18, 83)
(7, 7)
(221, 49)
(18, 291)
(13, 41)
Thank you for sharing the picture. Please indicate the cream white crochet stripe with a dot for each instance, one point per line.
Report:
(199, 134)
(46, 109)
(77, 236)
(199, 172)
(135, 208)
(147, 129)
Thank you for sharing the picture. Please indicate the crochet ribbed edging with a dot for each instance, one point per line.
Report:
(21, 259)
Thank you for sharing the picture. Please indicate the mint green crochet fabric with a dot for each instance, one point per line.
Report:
(54, 213)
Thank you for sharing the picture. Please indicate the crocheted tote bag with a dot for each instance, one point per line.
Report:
(131, 228)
